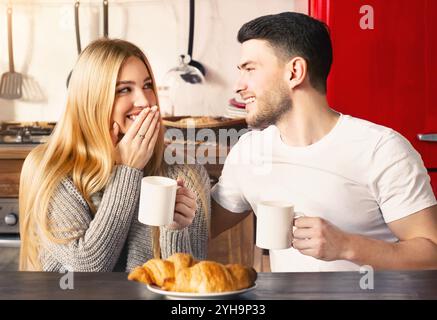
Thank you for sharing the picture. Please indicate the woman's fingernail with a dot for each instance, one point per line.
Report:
(154, 108)
(145, 111)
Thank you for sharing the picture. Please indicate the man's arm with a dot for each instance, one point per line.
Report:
(416, 249)
(223, 219)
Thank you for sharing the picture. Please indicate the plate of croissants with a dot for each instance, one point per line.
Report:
(180, 276)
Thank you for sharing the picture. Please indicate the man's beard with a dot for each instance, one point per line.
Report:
(270, 107)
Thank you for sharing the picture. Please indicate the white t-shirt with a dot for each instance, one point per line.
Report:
(359, 177)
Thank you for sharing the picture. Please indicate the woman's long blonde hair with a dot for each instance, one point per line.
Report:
(80, 146)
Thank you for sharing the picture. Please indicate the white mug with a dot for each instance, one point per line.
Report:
(157, 200)
(274, 220)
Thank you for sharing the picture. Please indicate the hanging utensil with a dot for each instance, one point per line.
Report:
(32, 91)
(77, 31)
(193, 62)
(186, 71)
(76, 26)
(105, 18)
(182, 86)
(190, 70)
(11, 82)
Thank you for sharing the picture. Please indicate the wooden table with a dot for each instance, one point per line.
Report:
(324, 285)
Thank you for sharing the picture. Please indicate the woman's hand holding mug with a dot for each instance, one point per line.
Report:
(166, 202)
(185, 207)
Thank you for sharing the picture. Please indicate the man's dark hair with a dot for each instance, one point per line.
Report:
(294, 34)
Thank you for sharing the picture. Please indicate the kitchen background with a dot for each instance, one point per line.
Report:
(384, 74)
(45, 45)
(45, 51)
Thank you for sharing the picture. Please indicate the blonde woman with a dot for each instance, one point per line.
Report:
(79, 192)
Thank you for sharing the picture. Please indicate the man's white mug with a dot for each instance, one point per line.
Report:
(157, 201)
(274, 220)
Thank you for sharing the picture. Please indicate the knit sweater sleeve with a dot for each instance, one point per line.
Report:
(192, 239)
(90, 243)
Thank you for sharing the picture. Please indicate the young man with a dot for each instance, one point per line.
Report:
(363, 189)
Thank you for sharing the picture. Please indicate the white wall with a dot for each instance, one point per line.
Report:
(45, 46)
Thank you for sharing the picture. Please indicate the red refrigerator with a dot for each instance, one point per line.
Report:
(385, 66)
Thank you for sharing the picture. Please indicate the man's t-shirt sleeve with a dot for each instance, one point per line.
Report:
(227, 192)
(399, 179)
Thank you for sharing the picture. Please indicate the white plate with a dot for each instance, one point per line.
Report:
(187, 295)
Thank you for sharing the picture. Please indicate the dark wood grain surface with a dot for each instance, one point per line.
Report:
(328, 285)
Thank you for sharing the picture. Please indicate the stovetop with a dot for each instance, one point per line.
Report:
(18, 133)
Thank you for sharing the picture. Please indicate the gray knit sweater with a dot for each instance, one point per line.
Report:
(113, 239)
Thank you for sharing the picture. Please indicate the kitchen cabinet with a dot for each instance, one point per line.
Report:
(235, 245)
(10, 177)
(11, 162)
(386, 74)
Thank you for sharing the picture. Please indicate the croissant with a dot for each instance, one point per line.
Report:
(182, 273)
(244, 277)
(181, 260)
(154, 271)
